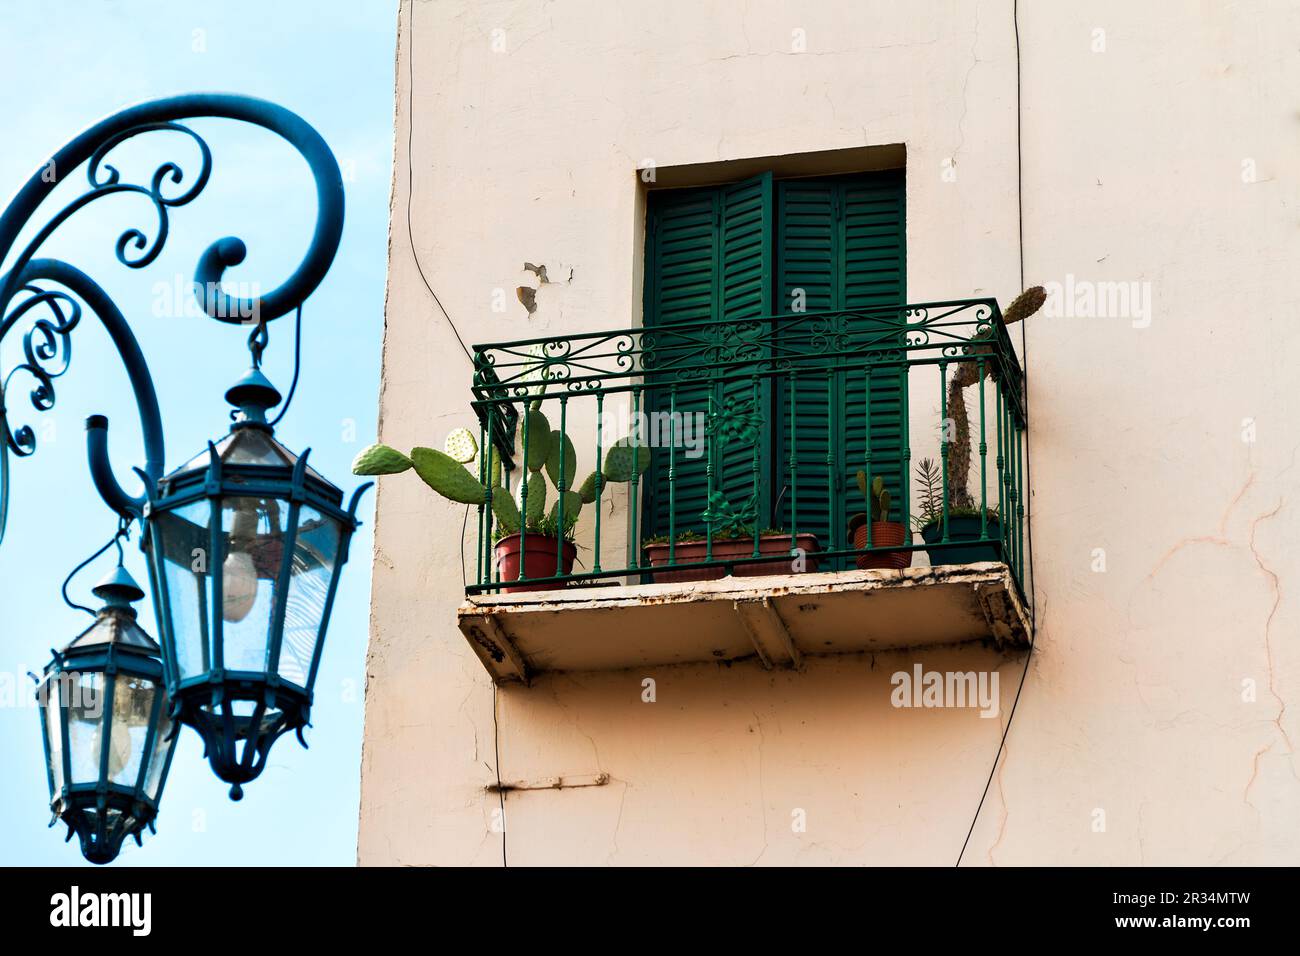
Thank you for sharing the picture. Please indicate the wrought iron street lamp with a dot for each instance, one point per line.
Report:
(245, 542)
(106, 721)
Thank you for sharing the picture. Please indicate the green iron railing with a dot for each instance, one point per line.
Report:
(766, 421)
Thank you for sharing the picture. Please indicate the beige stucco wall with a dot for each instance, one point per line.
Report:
(1168, 159)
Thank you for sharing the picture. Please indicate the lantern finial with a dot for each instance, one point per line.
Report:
(118, 589)
(252, 395)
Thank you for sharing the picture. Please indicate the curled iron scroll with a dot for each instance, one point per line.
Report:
(26, 285)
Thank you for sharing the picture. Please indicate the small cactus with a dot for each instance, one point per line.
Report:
(877, 496)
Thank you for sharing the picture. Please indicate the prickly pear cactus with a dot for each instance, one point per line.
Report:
(539, 440)
(461, 446)
(623, 460)
(570, 461)
(380, 460)
(447, 476)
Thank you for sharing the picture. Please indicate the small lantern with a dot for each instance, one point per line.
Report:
(105, 718)
(246, 543)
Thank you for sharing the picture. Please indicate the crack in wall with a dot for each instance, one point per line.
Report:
(1275, 585)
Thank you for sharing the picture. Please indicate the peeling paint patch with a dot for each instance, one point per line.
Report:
(528, 297)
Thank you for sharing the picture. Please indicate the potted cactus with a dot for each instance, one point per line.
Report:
(964, 516)
(526, 533)
(883, 531)
(733, 538)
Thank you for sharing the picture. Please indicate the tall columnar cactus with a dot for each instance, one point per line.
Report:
(549, 452)
(965, 375)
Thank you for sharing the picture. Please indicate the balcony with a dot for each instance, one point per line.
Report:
(770, 488)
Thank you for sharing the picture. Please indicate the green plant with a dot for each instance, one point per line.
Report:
(447, 473)
(687, 537)
(930, 499)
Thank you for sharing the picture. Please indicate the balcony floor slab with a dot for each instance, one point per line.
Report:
(777, 620)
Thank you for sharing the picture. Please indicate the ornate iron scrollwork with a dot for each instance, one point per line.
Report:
(29, 284)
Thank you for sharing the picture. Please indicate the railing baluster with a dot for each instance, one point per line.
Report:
(561, 486)
(944, 426)
(1020, 504)
(600, 479)
(905, 468)
(633, 499)
(523, 496)
(794, 466)
(984, 449)
(709, 453)
(1007, 515)
(866, 420)
(1011, 488)
(1001, 464)
(831, 470)
(484, 456)
(486, 540)
(672, 474)
(755, 466)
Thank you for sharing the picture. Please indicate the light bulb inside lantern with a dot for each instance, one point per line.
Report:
(238, 586)
(119, 754)
(238, 572)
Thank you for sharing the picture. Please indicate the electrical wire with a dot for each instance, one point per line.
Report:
(1029, 526)
(122, 531)
(410, 177)
(501, 793)
(297, 364)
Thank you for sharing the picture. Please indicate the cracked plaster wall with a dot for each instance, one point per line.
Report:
(1134, 702)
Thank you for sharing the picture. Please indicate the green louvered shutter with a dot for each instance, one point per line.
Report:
(840, 245)
(708, 255)
(873, 275)
(807, 281)
(745, 224)
(680, 286)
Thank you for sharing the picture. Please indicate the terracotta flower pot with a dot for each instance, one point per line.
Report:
(883, 534)
(539, 561)
(728, 549)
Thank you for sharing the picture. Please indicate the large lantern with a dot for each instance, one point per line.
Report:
(108, 734)
(246, 543)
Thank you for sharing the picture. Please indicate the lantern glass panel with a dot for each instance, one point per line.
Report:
(182, 541)
(252, 554)
(54, 733)
(85, 724)
(133, 700)
(315, 554)
(158, 762)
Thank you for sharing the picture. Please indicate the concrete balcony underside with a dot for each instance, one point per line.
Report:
(777, 620)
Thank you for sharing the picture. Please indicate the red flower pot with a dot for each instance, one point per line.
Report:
(729, 549)
(538, 561)
(883, 534)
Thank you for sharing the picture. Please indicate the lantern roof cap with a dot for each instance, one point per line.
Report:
(253, 394)
(118, 588)
(248, 445)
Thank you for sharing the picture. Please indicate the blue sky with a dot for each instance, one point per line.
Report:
(65, 64)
